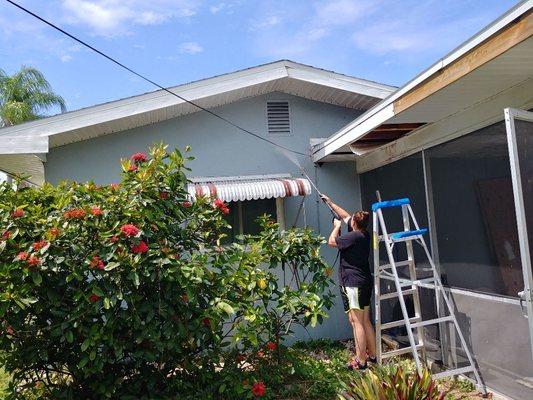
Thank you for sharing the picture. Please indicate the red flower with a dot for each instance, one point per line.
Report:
(10, 330)
(93, 298)
(207, 322)
(271, 346)
(164, 195)
(129, 230)
(139, 248)
(186, 204)
(240, 357)
(6, 235)
(132, 168)
(19, 212)
(39, 245)
(96, 211)
(33, 261)
(221, 206)
(258, 389)
(139, 157)
(114, 186)
(54, 232)
(185, 298)
(113, 239)
(76, 213)
(96, 262)
(22, 256)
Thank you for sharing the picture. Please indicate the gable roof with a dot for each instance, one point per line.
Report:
(283, 76)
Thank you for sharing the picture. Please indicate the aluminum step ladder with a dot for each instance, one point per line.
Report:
(409, 287)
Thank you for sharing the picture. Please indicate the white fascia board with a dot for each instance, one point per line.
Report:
(340, 82)
(458, 52)
(23, 144)
(144, 103)
(353, 131)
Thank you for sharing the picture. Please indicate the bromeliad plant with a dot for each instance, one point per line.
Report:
(123, 291)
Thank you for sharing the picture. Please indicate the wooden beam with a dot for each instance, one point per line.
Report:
(520, 30)
(398, 127)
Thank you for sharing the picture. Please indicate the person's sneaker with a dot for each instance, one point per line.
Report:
(355, 365)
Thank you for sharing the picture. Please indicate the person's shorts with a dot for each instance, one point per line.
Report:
(356, 298)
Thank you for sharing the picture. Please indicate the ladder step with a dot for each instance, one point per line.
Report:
(395, 294)
(452, 372)
(418, 282)
(407, 235)
(431, 321)
(397, 264)
(400, 322)
(399, 352)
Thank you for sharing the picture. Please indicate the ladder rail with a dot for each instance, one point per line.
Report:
(398, 289)
(377, 285)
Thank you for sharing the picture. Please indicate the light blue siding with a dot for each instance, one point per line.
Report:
(222, 150)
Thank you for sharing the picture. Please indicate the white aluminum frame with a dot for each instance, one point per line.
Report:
(510, 115)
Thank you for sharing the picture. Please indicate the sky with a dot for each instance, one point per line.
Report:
(179, 41)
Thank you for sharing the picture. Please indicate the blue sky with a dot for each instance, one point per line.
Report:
(178, 41)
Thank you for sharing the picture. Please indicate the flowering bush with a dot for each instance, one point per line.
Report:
(123, 291)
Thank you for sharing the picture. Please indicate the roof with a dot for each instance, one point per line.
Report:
(284, 76)
(496, 58)
(254, 187)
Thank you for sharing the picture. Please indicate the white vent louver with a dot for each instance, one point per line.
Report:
(278, 118)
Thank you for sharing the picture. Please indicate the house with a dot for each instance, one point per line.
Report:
(442, 140)
(286, 102)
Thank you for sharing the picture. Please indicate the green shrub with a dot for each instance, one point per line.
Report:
(393, 381)
(123, 291)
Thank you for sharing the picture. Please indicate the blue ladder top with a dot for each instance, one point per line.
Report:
(406, 234)
(390, 203)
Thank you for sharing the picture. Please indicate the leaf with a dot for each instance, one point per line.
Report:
(136, 281)
(37, 278)
(69, 336)
(85, 344)
(3, 245)
(83, 362)
(111, 266)
(107, 304)
(225, 307)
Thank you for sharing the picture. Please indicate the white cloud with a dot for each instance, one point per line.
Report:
(65, 58)
(342, 12)
(115, 17)
(190, 48)
(266, 22)
(216, 9)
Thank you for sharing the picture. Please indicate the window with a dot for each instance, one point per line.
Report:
(243, 216)
(278, 118)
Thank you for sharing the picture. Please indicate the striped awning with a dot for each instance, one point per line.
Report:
(249, 187)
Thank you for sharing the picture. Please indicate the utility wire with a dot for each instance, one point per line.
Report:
(113, 60)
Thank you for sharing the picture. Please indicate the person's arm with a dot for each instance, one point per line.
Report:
(341, 212)
(334, 233)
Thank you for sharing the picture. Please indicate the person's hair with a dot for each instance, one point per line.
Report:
(360, 219)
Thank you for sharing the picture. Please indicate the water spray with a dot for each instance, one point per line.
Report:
(292, 157)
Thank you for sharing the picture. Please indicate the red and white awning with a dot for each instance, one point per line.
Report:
(249, 187)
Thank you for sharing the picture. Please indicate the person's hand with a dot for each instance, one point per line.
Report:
(337, 223)
(326, 198)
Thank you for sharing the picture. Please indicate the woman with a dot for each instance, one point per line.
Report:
(355, 280)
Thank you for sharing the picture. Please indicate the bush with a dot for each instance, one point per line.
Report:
(123, 291)
(394, 380)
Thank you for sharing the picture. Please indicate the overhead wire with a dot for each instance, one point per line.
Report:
(122, 65)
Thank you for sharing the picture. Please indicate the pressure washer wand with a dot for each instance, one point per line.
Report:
(320, 194)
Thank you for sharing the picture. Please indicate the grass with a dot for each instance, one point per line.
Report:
(4, 382)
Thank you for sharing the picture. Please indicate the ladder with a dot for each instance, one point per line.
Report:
(409, 287)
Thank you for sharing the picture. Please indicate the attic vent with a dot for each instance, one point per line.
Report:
(278, 118)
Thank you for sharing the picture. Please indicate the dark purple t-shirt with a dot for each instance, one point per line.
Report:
(354, 268)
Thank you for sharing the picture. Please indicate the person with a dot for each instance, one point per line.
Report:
(355, 280)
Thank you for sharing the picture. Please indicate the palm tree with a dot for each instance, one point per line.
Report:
(25, 95)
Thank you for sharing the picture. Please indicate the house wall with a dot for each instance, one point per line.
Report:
(222, 150)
